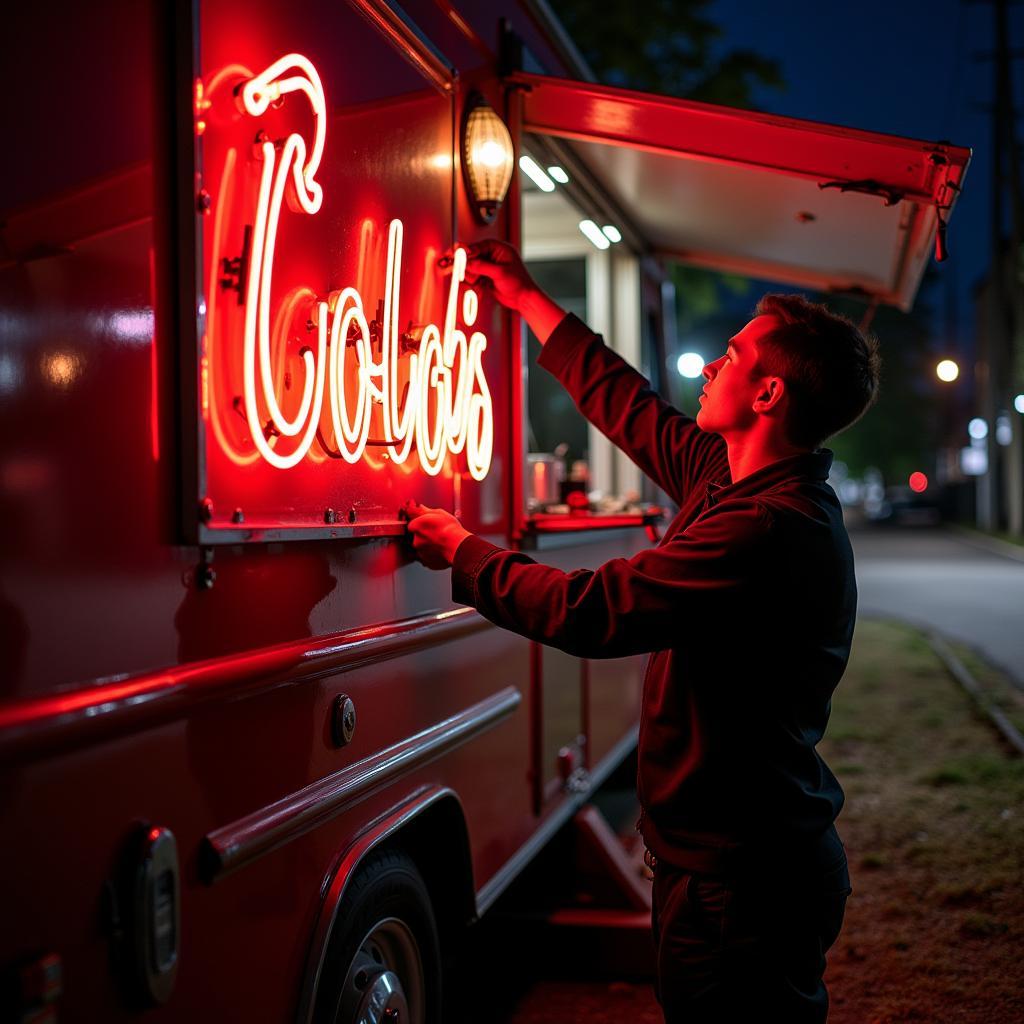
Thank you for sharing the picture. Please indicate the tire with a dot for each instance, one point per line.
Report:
(383, 960)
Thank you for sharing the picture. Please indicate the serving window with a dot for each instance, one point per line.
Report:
(574, 478)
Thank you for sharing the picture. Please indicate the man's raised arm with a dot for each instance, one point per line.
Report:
(666, 444)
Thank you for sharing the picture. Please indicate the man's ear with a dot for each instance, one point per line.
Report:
(770, 394)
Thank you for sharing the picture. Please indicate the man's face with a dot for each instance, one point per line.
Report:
(734, 381)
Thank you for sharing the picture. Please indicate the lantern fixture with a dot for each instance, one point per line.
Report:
(487, 158)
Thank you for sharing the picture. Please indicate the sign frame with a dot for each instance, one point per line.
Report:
(191, 205)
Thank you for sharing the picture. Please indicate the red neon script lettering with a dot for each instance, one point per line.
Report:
(463, 415)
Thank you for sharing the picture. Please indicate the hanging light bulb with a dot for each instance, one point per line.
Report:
(487, 158)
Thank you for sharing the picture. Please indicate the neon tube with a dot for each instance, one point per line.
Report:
(396, 426)
(259, 92)
(210, 379)
(351, 439)
(461, 409)
(433, 377)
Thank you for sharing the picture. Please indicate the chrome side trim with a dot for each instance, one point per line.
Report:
(507, 873)
(242, 841)
(336, 883)
(122, 704)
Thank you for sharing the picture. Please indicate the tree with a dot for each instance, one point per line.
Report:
(900, 434)
(669, 46)
(670, 50)
(665, 46)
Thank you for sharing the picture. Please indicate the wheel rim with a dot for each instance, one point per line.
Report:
(385, 984)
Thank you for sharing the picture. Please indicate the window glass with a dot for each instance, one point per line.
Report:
(553, 416)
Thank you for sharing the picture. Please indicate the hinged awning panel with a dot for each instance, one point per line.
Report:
(741, 191)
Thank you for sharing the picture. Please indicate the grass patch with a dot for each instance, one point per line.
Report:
(947, 776)
(983, 926)
(934, 829)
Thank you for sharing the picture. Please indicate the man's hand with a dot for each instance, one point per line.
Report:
(435, 534)
(499, 263)
(503, 267)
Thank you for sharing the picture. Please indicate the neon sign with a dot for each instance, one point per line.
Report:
(445, 406)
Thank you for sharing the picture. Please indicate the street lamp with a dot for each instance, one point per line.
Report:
(947, 371)
(690, 365)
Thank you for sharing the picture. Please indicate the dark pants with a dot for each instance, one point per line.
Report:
(748, 945)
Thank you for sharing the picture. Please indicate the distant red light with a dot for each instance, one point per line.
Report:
(918, 483)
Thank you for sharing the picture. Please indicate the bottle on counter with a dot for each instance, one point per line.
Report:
(574, 490)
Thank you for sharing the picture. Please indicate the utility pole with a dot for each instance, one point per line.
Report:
(1001, 500)
(1013, 277)
(1010, 273)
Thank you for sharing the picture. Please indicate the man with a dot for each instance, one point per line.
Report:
(747, 609)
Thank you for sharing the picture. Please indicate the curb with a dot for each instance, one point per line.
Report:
(986, 543)
(960, 673)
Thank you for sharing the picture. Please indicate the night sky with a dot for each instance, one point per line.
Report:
(906, 67)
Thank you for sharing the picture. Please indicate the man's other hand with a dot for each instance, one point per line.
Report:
(435, 534)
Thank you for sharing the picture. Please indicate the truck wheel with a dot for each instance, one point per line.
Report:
(383, 961)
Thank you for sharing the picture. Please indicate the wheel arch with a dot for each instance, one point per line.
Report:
(446, 868)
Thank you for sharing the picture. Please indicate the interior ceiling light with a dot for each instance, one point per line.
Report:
(533, 171)
(487, 158)
(612, 233)
(559, 175)
(594, 233)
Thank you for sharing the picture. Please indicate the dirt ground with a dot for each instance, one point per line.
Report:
(934, 830)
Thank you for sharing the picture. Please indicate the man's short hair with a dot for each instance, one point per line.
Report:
(830, 367)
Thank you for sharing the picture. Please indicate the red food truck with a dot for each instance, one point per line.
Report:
(255, 761)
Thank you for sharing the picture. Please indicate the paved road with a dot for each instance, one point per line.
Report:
(939, 579)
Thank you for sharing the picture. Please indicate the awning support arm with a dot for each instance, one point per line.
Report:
(892, 196)
(869, 315)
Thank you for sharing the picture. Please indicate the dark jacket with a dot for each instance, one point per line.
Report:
(746, 607)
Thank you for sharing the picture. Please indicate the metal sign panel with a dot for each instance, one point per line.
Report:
(338, 369)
